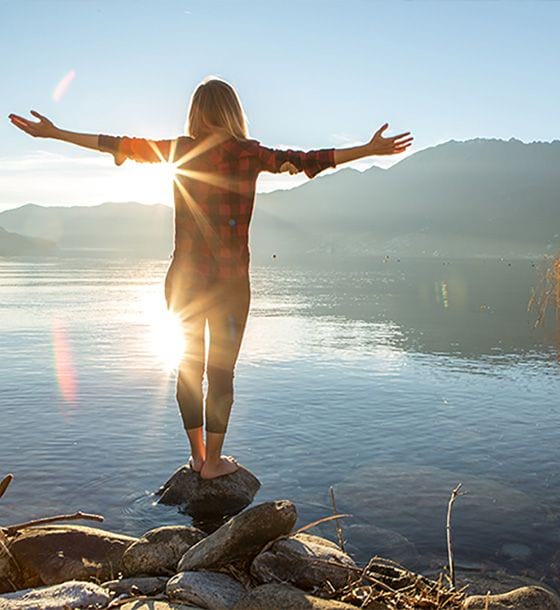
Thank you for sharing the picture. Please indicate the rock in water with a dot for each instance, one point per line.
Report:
(51, 554)
(71, 594)
(242, 537)
(159, 550)
(303, 560)
(276, 596)
(524, 598)
(212, 498)
(208, 589)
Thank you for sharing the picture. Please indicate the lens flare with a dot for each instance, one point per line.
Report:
(64, 366)
(165, 335)
(63, 85)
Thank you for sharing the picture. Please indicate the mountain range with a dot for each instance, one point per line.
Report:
(474, 198)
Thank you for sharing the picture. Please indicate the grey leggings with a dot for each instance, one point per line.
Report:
(225, 305)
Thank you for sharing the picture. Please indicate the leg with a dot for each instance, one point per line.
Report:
(227, 321)
(187, 302)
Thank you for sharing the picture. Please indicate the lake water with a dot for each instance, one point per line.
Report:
(390, 380)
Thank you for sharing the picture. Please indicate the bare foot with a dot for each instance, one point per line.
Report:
(196, 464)
(225, 465)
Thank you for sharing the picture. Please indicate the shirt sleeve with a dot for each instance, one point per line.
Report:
(311, 162)
(139, 149)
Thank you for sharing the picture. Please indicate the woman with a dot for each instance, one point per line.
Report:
(217, 166)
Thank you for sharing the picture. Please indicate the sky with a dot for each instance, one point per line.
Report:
(310, 74)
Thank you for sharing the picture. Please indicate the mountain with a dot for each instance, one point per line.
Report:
(13, 244)
(473, 198)
(128, 227)
(459, 198)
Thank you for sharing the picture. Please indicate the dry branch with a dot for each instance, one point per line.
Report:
(12, 529)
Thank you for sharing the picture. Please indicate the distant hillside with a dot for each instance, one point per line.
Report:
(131, 227)
(12, 244)
(456, 199)
(480, 197)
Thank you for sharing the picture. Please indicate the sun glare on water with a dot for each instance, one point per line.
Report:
(165, 336)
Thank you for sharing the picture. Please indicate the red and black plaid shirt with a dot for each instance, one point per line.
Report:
(214, 192)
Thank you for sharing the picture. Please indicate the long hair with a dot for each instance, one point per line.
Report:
(215, 106)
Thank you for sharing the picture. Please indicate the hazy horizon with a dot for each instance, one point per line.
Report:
(416, 66)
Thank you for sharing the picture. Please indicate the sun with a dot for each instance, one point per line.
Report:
(165, 337)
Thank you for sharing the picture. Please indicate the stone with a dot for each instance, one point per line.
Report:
(494, 581)
(211, 590)
(159, 550)
(72, 594)
(301, 560)
(156, 604)
(52, 554)
(364, 539)
(209, 498)
(281, 597)
(524, 598)
(9, 572)
(242, 537)
(147, 585)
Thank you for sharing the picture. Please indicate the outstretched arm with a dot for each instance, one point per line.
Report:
(315, 161)
(378, 145)
(45, 128)
(122, 148)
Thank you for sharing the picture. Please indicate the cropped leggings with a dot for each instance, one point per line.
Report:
(224, 303)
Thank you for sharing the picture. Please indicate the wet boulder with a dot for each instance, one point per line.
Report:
(52, 554)
(242, 537)
(209, 498)
(211, 590)
(524, 598)
(305, 561)
(158, 551)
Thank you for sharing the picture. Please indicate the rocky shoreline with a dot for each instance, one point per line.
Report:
(252, 560)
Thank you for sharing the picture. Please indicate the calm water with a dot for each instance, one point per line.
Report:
(392, 381)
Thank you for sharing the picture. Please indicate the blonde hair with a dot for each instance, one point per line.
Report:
(215, 106)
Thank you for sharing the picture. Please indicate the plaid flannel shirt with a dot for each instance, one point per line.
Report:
(214, 192)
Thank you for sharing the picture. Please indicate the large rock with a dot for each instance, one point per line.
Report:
(9, 573)
(49, 555)
(147, 585)
(242, 537)
(303, 560)
(280, 597)
(524, 598)
(159, 550)
(72, 594)
(209, 498)
(211, 590)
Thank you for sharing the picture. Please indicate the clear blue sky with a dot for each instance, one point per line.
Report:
(310, 74)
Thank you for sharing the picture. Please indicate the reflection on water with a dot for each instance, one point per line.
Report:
(391, 380)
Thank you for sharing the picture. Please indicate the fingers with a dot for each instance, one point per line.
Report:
(39, 116)
(400, 135)
(18, 119)
(383, 128)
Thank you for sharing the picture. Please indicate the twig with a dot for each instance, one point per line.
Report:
(318, 522)
(5, 483)
(338, 527)
(12, 529)
(454, 495)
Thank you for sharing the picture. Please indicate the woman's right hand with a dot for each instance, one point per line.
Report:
(42, 129)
